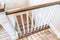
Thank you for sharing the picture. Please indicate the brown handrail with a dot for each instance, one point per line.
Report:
(13, 11)
(1, 9)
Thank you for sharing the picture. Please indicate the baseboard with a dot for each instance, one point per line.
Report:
(54, 30)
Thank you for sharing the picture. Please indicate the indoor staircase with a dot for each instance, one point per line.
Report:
(42, 35)
(30, 24)
(46, 34)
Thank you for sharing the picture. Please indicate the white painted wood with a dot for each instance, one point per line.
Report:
(32, 25)
(2, 3)
(39, 17)
(51, 14)
(35, 23)
(4, 21)
(23, 23)
(19, 30)
(42, 18)
(54, 30)
(27, 16)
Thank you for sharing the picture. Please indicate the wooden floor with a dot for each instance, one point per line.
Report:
(43, 35)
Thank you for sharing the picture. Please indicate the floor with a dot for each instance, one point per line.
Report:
(43, 35)
(3, 34)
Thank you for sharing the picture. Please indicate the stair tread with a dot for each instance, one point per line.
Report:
(43, 35)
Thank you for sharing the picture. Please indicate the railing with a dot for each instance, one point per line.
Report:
(1, 9)
(30, 20)
(13, 11)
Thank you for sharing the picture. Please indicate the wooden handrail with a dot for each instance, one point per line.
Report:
(1, 9)
(13, 11)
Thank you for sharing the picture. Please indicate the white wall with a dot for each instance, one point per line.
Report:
(55, 20)
(1, 3)
(11, 4)
(35, 2)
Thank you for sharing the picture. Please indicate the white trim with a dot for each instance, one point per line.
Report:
(4, 21)
(19, 30)
(32, 25)
(27, 21)
(54, 30)
(23, 23)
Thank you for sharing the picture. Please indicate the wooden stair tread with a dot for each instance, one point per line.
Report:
(43, 35)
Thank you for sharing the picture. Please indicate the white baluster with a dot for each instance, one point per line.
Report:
(19, 30)
(39, 17)
(27, 14)
(35, 22)
(32, 25)
(23, 23)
